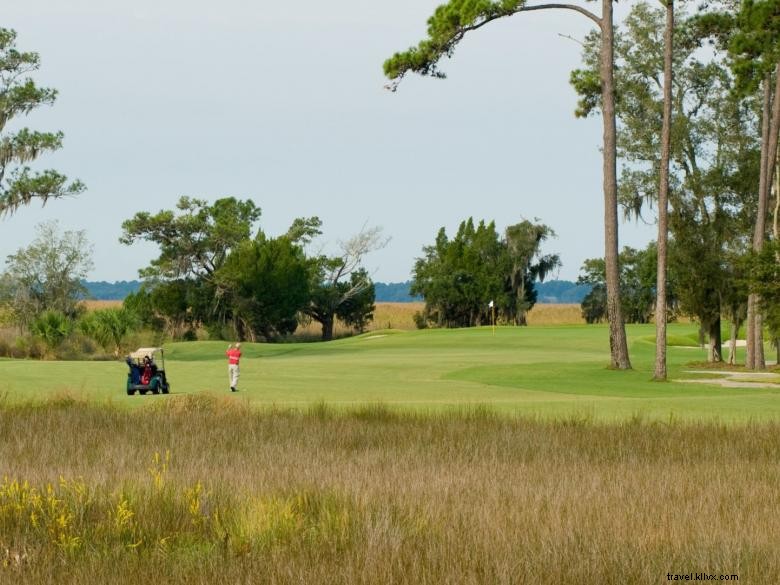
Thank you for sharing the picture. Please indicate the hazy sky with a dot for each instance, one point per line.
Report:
(284, 103)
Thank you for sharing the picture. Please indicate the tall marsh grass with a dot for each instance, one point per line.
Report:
(204, 490)
(563, 314)
(401, 316)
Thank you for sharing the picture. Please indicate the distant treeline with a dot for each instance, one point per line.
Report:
(395, 292)
(561, 292)
(553, 291)
(111, 291)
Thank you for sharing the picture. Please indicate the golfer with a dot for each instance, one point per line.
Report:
(233, 354)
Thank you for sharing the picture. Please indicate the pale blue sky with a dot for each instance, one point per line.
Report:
(284, 103)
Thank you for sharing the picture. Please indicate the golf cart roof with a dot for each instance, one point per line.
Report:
(142, 352)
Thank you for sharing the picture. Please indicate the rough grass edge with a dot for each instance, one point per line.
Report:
(205, 404)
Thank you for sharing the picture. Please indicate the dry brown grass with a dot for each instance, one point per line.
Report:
(372, 496)
(396, 315)
(386, 316)
(92, 305)
(400, 316)
(9, 334)
(555, 315)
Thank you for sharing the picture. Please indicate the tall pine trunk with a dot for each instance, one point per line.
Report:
(618, 343)
(776, 213)
(763, 206)
(769, 139)
(663, 200)
(750, 338)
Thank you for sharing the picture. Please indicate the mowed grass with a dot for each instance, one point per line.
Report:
(203, 489)
(541, 371)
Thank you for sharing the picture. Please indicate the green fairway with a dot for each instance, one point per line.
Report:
(557, 371)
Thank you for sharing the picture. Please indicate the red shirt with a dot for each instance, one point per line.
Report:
(233, 355)
(146, 377)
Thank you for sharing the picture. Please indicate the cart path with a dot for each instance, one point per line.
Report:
(736, 379)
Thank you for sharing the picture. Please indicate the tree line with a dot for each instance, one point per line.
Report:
(210, 274)
(217, 270)
(467, 281)
(693, 290)
(386, 292)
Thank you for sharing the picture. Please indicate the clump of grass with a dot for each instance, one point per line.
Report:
(302, 519)
(198, 404)
(375, 412)
(320, 410)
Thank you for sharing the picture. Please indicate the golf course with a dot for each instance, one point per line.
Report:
(546, 371)
(277, 310)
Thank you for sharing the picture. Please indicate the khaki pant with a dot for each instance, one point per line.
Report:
(233, 374)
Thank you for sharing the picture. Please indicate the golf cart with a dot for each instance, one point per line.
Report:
(145, 375)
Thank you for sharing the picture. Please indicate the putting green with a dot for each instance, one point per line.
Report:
(544, 371)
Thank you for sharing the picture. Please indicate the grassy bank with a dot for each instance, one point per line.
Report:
(206, 490)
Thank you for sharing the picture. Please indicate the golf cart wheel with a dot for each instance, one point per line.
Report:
(130, 391)
(155, 388)
(142, 392)
(166, 388)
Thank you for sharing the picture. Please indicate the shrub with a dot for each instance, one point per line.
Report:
(27, 347)
(420, 320)
(109, 327)
(79, 347)
(52, 328)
